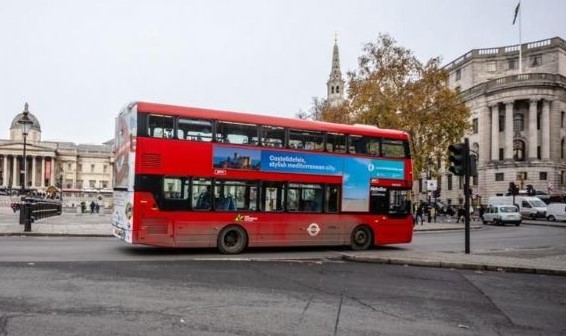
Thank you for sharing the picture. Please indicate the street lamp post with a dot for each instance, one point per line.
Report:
(25, 122)
(429, 168)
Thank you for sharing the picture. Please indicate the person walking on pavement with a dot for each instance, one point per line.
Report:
(420, 211)
(92, 205)
(461, 214)
(433, 213)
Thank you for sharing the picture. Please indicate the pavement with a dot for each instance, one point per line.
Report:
(73, 224)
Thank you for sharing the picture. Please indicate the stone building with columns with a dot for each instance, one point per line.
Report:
(518, 117)
(84, 170)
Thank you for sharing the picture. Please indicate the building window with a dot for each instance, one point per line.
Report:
(562, 149)
(513, 63)
(420, 185)
(542, 176)
(518, 122)
(562, 175)
(499, 177)
(518, 150)
(501, 154)
(105, 169)
(501, 122)
(70, 166)
(521, 176)
(475, 125)
(449, 182)
(491, 66)
(79, 184)
(539, 116)
(91, 184)
(92, 168)
(79, 167)
(458, 74)
(562, 119)
(538, 153)
(536, 60)
(104, 184)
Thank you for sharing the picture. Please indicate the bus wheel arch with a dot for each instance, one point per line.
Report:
(361, 238)
(232, 239)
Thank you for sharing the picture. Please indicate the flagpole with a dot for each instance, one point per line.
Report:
(520, 42)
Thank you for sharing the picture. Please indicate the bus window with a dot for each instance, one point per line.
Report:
(357, 144)
(201, 194)
(304, 197)
(272, 136)
(175, 192)
(236, 133)
(194, 129)
(160, 126)
(235, 195)
(394, 148)
(335, 143)
(332, 198)
(373, 146)
(307, 140)
(272, 196)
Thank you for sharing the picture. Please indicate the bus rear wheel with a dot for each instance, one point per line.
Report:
(232, 240)
(361, 238)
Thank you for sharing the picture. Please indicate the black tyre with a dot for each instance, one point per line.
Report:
(232, 239)
(361, 238)
(551, 218)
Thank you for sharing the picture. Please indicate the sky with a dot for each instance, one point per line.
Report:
(78, 62)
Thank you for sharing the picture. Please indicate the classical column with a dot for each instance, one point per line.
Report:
(5, 171)
(509, 130)
(545, 130)
(533, 136)
(43, 172)
(15, 175)
(52, 177)
(495, 132)
(33, 171)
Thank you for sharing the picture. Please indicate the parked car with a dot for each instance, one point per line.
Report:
(556, 211)
(502, 214)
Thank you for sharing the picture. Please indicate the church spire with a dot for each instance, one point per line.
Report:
(335, 84)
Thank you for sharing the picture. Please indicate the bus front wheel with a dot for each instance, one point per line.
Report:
(361, 238)
(232, 240)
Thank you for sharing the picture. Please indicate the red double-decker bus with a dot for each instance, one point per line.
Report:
(193, 177)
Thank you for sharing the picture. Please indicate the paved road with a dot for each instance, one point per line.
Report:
(179, 297)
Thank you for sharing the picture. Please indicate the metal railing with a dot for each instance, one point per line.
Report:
(32, 209)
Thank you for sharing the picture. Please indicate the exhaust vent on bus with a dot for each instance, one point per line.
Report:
(151, 160)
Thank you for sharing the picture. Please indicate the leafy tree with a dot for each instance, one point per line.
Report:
(392, 89)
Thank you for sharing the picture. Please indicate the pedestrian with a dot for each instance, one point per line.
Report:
(97, 208)
(461, 214)
(92, 205)
(433, 213)
(83, 207)
(420, 210)
(482, 210)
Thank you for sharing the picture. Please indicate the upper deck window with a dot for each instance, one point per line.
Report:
(236, 133)
(272, 136)
(394, 148)
(159, 126)
(336, 143)
(364, 145)
(309, 140)
(194, 129)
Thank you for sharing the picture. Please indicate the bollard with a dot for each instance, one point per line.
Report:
(28, 212)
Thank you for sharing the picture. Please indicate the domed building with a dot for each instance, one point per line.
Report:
(83, 171)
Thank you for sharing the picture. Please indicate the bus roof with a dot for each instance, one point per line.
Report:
(366, 130)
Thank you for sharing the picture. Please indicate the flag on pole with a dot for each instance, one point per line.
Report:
(516, 12)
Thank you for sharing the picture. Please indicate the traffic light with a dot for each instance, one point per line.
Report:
(436, 193)
(513, 189)
(457, 158)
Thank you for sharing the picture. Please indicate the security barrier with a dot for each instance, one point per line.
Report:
(32, 209)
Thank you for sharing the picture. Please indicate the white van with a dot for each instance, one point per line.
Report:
(556, 212)
(529, 206)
